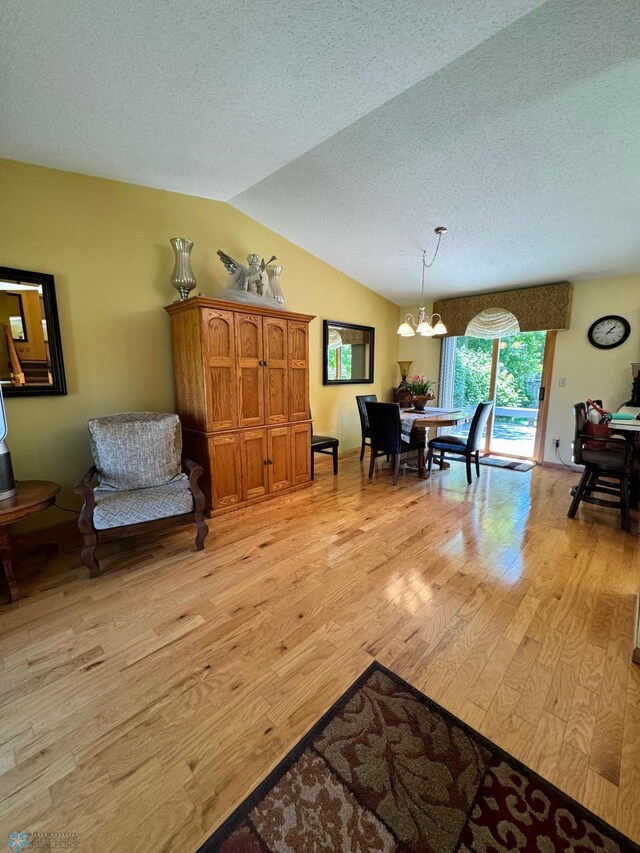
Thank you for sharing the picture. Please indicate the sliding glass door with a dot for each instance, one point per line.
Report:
(508, 370)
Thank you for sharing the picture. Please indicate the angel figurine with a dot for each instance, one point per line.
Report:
(251, 279)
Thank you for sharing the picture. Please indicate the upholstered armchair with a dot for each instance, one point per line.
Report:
(139, 481)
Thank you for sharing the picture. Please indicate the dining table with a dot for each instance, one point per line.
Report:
(631, 427)
(415, 424)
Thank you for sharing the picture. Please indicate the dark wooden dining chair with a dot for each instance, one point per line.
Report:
(327, 445)
(386, 438)
(468, 447)
(608, 469)
(362, 400)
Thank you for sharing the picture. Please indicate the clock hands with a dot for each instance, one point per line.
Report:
(611, 329)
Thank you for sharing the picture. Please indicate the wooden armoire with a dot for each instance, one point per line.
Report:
(242, 394)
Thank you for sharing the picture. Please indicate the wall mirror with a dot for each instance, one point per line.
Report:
(30, 345)
(348, 353)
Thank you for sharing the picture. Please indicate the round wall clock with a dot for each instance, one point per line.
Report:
(609, 331)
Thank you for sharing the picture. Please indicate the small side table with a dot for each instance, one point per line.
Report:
(32, 497)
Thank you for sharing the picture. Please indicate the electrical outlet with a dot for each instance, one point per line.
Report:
(555, 442)
(562, 382)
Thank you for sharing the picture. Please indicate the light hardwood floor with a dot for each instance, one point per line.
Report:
(142, 706)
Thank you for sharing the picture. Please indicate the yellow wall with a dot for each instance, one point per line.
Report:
(590, 372)
(107, 244)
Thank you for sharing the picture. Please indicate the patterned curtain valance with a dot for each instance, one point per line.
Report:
(536, 308)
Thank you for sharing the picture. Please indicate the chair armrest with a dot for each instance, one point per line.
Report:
(84, 489)
(195, 471)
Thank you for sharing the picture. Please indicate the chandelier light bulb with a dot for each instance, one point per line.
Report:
(405, 330)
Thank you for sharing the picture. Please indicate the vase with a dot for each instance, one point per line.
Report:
(182, 277)
(421, 401)
(405, 367)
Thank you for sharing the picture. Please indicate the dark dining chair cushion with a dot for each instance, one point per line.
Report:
(324, 441)
(449, 442)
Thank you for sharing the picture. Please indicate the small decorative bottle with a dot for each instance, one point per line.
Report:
(182, 277)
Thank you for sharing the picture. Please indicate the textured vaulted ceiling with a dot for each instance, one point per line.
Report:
(354, 128)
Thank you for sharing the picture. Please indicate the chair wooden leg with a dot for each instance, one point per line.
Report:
(421, 462)
(430, 460)
(477, 463)
(396, 468)
(624, 503)
(202, 531)
(468, 461)
(362, 450)
(372, 464)
(633, 490)
(335, 461)
(592, 482)
(88, 555)
(582, 485)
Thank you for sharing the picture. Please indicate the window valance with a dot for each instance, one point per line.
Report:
(547, 306)
(493, 323)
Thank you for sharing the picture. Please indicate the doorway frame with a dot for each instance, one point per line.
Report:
(543, 396)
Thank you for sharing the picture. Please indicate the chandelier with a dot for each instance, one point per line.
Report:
(427, 326)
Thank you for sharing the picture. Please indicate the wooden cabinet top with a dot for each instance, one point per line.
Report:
(197, 302)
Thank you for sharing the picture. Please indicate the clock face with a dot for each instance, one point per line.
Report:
(609, 332)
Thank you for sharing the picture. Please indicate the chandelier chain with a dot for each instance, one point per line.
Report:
(425, 265)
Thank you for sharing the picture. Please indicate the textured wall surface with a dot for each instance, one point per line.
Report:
(107, 244)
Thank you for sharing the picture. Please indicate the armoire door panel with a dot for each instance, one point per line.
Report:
(279, 458)
(220, 366)
(254, 463)
(226, 470)
(276, 370)
(300, 454)
(298, 357)
(250, 370)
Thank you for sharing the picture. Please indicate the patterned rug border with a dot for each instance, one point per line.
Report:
(240, 812)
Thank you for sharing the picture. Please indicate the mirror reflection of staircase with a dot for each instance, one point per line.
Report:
(25, 371)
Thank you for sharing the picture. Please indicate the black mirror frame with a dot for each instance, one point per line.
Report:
(59, 385)
(325, 343)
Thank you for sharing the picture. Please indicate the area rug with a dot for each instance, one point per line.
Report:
(511, 464)
(387, 769)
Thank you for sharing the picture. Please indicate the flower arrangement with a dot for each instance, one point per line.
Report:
(419, 385)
